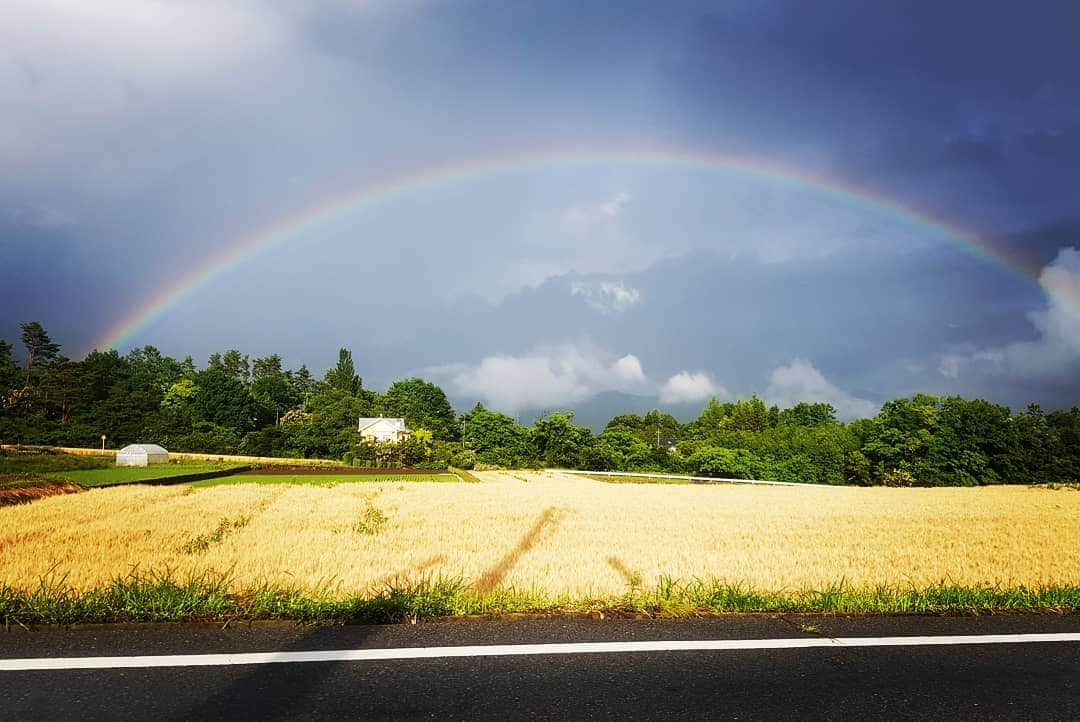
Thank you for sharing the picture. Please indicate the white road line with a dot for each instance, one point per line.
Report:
(505, 650)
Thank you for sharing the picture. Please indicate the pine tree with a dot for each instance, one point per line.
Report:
(39, 347)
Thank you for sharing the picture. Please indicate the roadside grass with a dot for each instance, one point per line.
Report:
(211, 597)
(134, 474)
(322, 479)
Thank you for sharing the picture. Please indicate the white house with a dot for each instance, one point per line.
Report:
(383, 429)
(141, 455)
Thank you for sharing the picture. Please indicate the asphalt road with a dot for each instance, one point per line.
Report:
(994, 682)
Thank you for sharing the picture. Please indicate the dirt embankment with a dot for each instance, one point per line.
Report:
(28, 490)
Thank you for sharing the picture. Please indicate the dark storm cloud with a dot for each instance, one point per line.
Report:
(140, 142)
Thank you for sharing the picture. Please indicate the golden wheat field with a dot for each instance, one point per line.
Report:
(553, 534)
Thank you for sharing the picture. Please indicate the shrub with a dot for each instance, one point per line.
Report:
(898, 477)
(463, 459)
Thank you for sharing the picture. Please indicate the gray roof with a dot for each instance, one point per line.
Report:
(397, 423)
(142, 448)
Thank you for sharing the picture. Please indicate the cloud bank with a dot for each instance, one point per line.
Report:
(1054, 354)
(545, 377)
(687, 387)
(606, 296)
(800, 381)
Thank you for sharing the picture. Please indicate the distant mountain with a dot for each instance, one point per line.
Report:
(596, 411)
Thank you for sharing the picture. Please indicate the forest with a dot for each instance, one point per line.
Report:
(255, 406)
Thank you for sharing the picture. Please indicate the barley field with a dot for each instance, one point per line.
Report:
(549, 533)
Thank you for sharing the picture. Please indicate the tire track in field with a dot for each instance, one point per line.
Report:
(544, 525)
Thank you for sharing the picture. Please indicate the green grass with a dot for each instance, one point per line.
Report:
(211, 597)
(41, 463)
(132, 474)
(27, 481)
(225, 527)
(321, 479)
(465, 475)
(629, 479)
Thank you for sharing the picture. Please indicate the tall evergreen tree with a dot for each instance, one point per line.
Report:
(40, 349)
(343, 376)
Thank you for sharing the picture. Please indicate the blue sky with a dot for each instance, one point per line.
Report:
(143, 138)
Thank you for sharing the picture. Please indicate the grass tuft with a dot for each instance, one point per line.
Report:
(371, 521)
(211, 597)
(225, 527)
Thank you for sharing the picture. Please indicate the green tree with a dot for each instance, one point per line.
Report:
(971, 443)
(713, 417)
(496, 438)
(9, 371)
(422, 404)
(899, 438)
(64, 388)
(749, 415)
(559, 442)
(270, 387)
(808, 415)
(343, 376)
(301, 386)
(232, 364)
(623, 451)
(223, 400)
(657, 421)
(40, 349)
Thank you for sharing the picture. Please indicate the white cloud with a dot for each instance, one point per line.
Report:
(629, 369)
(590, 217)
(687, 386)
(544, 377)
(607, 296)
(1055, 353)
(800, 381)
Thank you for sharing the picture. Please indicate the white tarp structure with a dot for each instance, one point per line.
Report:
(141, 455)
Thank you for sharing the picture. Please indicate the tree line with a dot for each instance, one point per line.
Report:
(255, 406)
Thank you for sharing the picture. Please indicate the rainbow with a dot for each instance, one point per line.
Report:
(752, 168)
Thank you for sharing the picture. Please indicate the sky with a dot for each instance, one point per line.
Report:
(516, 199)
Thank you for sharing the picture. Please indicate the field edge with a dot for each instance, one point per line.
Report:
(211, 598)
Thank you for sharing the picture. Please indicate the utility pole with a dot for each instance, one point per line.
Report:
(658, 437)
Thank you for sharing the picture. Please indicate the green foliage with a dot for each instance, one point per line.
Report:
(463, 459)
(423, 405)
(622, 450)
(497, 439)
(748, 415)
(258, 407)
(559, 442)
(223, 400)
(40, 349)
(40, 461)
(806, 414)
(371, 521)
(727, 463)
(343, 376)
(225, 527)
(211, 596)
